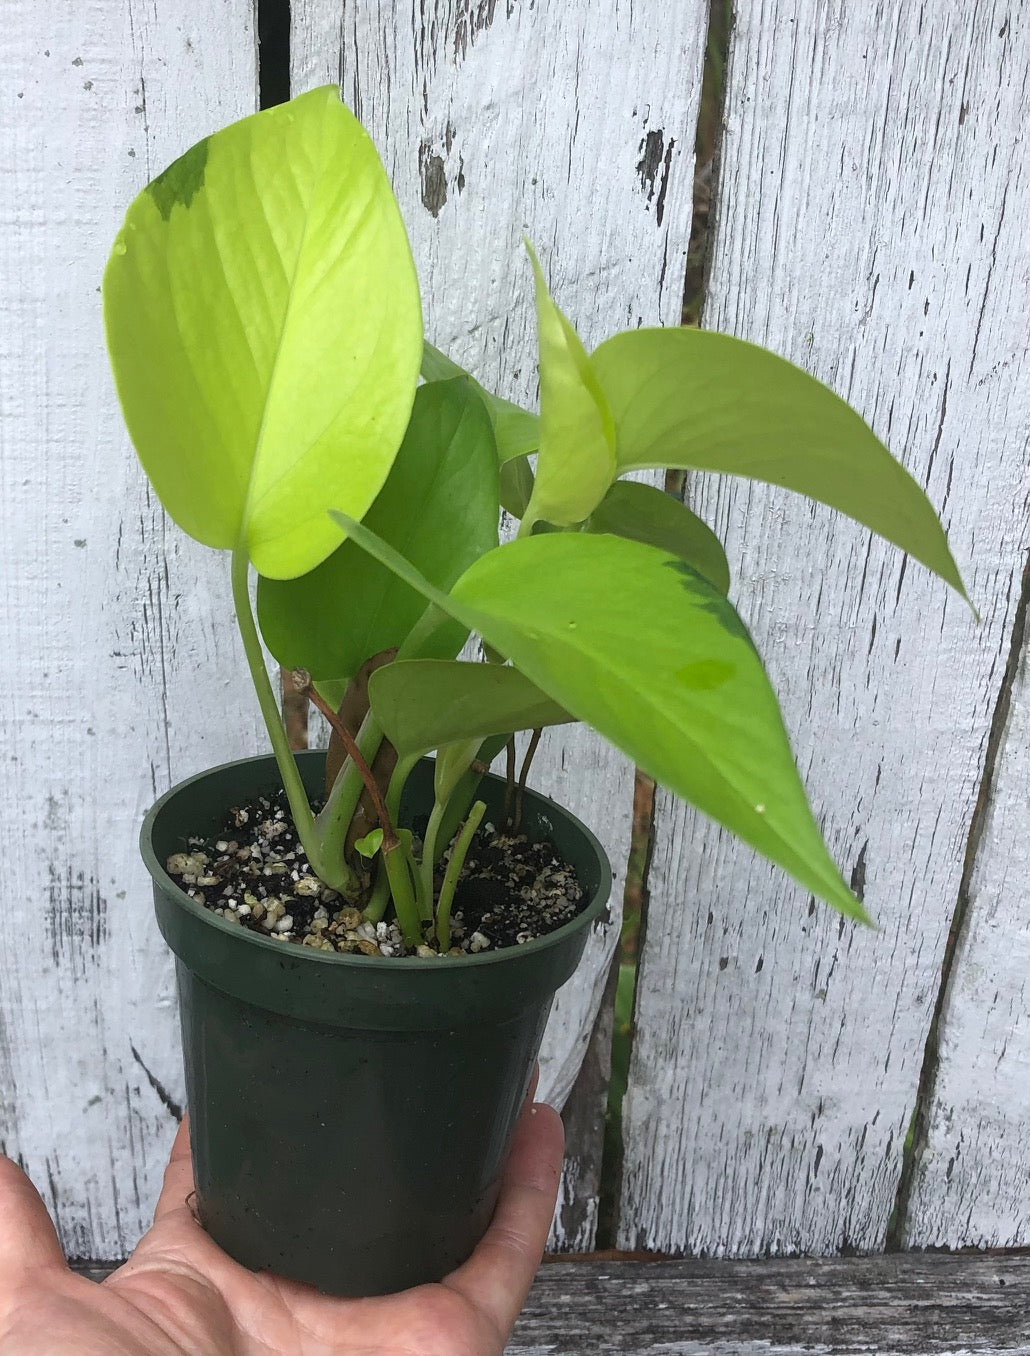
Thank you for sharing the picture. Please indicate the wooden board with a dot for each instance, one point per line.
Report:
(869, 225)
(901, 1306)
(972, 1183)
(502, 119)
(115, 670)
(887, 1306)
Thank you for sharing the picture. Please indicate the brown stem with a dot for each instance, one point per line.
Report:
(302, 682)
(295, 712)
(530, 751)
(509, 774)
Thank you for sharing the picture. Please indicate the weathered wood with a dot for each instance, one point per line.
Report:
(869, 224)
(972, 1183)
(500, 119)
(891, 1306)
(117, 645)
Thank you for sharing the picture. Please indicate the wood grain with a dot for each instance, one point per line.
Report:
(901, 1306)
(972, 1179)
(890, 1306)
(117, 662)
(869, 225)
(502, 119)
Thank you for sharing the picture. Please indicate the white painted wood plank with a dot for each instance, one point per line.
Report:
(870, 225)
(972, 1184)
(117, 642)
(496, 119)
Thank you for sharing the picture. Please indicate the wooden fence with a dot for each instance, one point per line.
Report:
(796, 1086)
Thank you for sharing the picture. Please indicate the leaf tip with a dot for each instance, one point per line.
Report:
(848, 903)
(538, 272)
(963, 593)
(862, 915)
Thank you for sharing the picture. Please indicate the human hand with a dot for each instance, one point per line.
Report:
(179, 1294)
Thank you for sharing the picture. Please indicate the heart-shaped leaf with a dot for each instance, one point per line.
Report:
(424, 704)
(516, 431)
(709, 402)
(264, 327)
(639, 645)
(439, 507)
(370, 844)
(645, 513)
(577, 436)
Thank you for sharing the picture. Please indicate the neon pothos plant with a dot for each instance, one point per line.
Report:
(264, 327)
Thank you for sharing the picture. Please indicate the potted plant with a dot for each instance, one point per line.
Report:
(356, 1051)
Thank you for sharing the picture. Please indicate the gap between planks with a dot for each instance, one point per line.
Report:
(926, 1096)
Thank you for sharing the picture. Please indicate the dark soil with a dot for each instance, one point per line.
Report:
(256, 874)
(512, 890)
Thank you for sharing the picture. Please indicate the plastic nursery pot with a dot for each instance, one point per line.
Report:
(350, 1115)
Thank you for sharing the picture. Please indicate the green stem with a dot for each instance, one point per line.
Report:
(398, 781)
(450, 879)
(381, 891)
(335, 816)
(429, 858)
(356, 756)
(337, 876)
(395, 859)
(376, 907)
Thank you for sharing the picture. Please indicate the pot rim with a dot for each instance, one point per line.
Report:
(294, 951)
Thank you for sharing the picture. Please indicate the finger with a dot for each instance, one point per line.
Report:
(178, 1181)
(27, 1236)
(498, 1275)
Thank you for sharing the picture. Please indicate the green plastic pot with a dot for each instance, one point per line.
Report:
(350, 1115)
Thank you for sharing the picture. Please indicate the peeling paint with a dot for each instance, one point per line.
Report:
(433, 178)
(858, 873)
(653, 167)
(471, 19)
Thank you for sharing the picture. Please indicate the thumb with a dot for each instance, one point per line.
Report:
(27, 1236)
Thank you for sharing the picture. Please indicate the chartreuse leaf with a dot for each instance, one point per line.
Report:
(516, 431)
(438, 507)
(577, 436)
(370, 844)
(424, 704)
(709, 402)
(639, 645)
(645, 513)
(264, 327)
